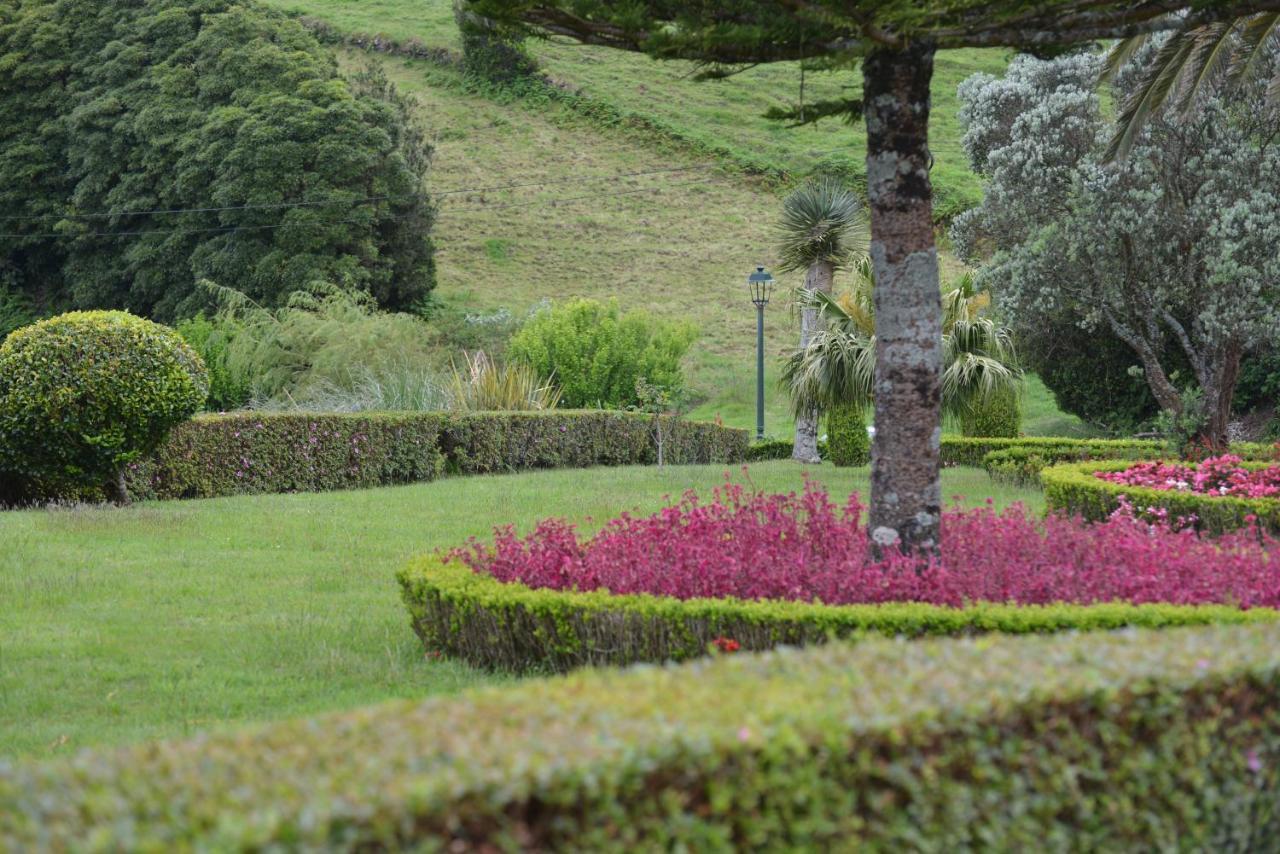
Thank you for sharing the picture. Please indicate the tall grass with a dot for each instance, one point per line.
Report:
(484, 385)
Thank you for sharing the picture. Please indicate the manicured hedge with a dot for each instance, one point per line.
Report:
(1128, 741)
(1021, 465)
(511, 627)
(777, 449)
(1072, 488)
(295, 452)
(969, 451)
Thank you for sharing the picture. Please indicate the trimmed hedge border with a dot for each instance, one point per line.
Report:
(966, 451)
(1022, 465)
(1093, 742)
(246, 453)
(1073, 489)
(511, 627)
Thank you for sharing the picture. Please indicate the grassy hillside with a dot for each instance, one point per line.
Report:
(724, 115)
(678, 239)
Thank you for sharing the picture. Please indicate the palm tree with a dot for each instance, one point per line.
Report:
(823, 228)
(837, 368)
(1191, 65)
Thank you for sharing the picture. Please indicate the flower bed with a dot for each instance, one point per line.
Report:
(1224, 475)
(1077, 489)
(762, 570)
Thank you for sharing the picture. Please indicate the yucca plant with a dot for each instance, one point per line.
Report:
(484, 385)
(1191, 65)
(838, 367)
(823, 228)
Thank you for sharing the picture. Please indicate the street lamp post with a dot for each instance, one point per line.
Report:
(760, 284)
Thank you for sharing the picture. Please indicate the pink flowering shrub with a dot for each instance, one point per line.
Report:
(752, 545)
(1215, 476)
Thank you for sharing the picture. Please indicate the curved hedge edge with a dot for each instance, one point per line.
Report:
(512, 627)
(1091, 742)
(1072, 488)
(970, 451)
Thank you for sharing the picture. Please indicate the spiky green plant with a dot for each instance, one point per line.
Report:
(483, 385)
(822, 220)
(838, 366)
(1191, 65)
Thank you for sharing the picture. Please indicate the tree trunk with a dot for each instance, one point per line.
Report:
(1218, 396)
(818, 277)
(906, 495)
(119, 489)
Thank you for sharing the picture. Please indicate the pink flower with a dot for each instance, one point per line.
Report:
(1253, 762)
(744, 734)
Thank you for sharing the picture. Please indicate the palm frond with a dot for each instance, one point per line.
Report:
(1120, 54)
(822, 220)
(1208, 63)
(1255, 34)
(1170, 64)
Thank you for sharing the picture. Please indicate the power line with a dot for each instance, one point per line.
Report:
(370, 199)
(274, 226)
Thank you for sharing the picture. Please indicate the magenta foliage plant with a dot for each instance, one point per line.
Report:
(1222, 475)
(752, 545)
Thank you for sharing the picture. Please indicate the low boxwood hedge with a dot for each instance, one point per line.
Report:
(1021, 465)
(298, 452)
(511, 627)
(1093, 742)
(1072, 488)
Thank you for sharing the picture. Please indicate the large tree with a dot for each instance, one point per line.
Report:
(894, 41)
(1172, 250)
(147, 145)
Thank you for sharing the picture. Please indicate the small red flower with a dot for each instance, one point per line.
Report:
(726, 644)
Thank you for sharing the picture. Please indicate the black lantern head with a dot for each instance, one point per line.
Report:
(761, 285)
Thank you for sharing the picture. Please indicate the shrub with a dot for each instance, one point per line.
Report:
(752, 545)
(847, 439)
(1075, 488)
(292, 452)
(999, 415)
(211, 340)
(511, 627)
(84, 394)
(491, 51)
(1224, 475)
(1095, 742)
(595, 353)
(486, 386)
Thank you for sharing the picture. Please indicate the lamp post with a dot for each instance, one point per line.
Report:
(760, 283)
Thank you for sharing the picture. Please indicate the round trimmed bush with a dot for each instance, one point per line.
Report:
(847, 441)
(84, 394)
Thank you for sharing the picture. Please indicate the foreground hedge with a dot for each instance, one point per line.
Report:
(1093, 742)
(511, 627)
(1073, 489)
(301, 452)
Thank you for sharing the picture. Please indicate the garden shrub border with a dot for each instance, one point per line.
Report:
(1072, 488)
(514, 628)
(250, 453)
(1115, 741)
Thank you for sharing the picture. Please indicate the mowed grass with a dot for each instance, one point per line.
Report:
(165, 619)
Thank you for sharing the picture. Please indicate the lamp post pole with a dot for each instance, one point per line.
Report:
(760, 283)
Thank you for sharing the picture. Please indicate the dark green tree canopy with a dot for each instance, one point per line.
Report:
(161, 106)
(755, 31)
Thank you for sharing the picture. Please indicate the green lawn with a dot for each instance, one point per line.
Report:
(164, 619)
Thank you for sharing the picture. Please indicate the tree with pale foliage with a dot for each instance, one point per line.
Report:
(893, 42)
(1171, 250)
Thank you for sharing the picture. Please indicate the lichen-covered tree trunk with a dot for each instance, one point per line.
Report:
(906, 495)
(818, 277)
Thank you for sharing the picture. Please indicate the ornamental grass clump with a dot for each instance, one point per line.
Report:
(803, 547)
